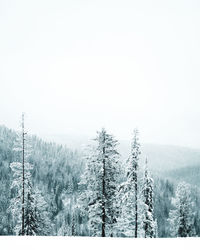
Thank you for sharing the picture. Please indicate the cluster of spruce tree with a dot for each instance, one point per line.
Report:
(118, 200)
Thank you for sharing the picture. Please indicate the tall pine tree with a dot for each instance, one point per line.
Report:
(128, 221)
(27, 206)
(148, 223)
(21, 184)
(133, 173)
(101, 181)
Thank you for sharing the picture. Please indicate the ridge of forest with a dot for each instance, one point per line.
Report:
(57, 173)
(162, 158)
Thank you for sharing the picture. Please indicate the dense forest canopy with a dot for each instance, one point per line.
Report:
(65, 195)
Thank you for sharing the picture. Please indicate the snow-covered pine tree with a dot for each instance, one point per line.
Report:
(101, 181)
(149, 224)
(17, 203)
(90, 192)
(181, 218)
(133, 173)
(21, 181)
(109, 158)
(128, 221)
(22, 205)
(125, 219)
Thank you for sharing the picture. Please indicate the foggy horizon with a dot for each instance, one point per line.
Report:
(74, 67)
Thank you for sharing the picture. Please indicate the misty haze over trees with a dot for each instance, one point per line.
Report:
(49, 189)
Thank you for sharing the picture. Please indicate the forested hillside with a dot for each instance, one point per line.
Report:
(56, 172)
(67, 191)
(162, 158)
(190, 174)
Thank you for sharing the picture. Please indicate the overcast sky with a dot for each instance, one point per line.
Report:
(74, 66)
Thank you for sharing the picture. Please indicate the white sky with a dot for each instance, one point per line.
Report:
(77, 65)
